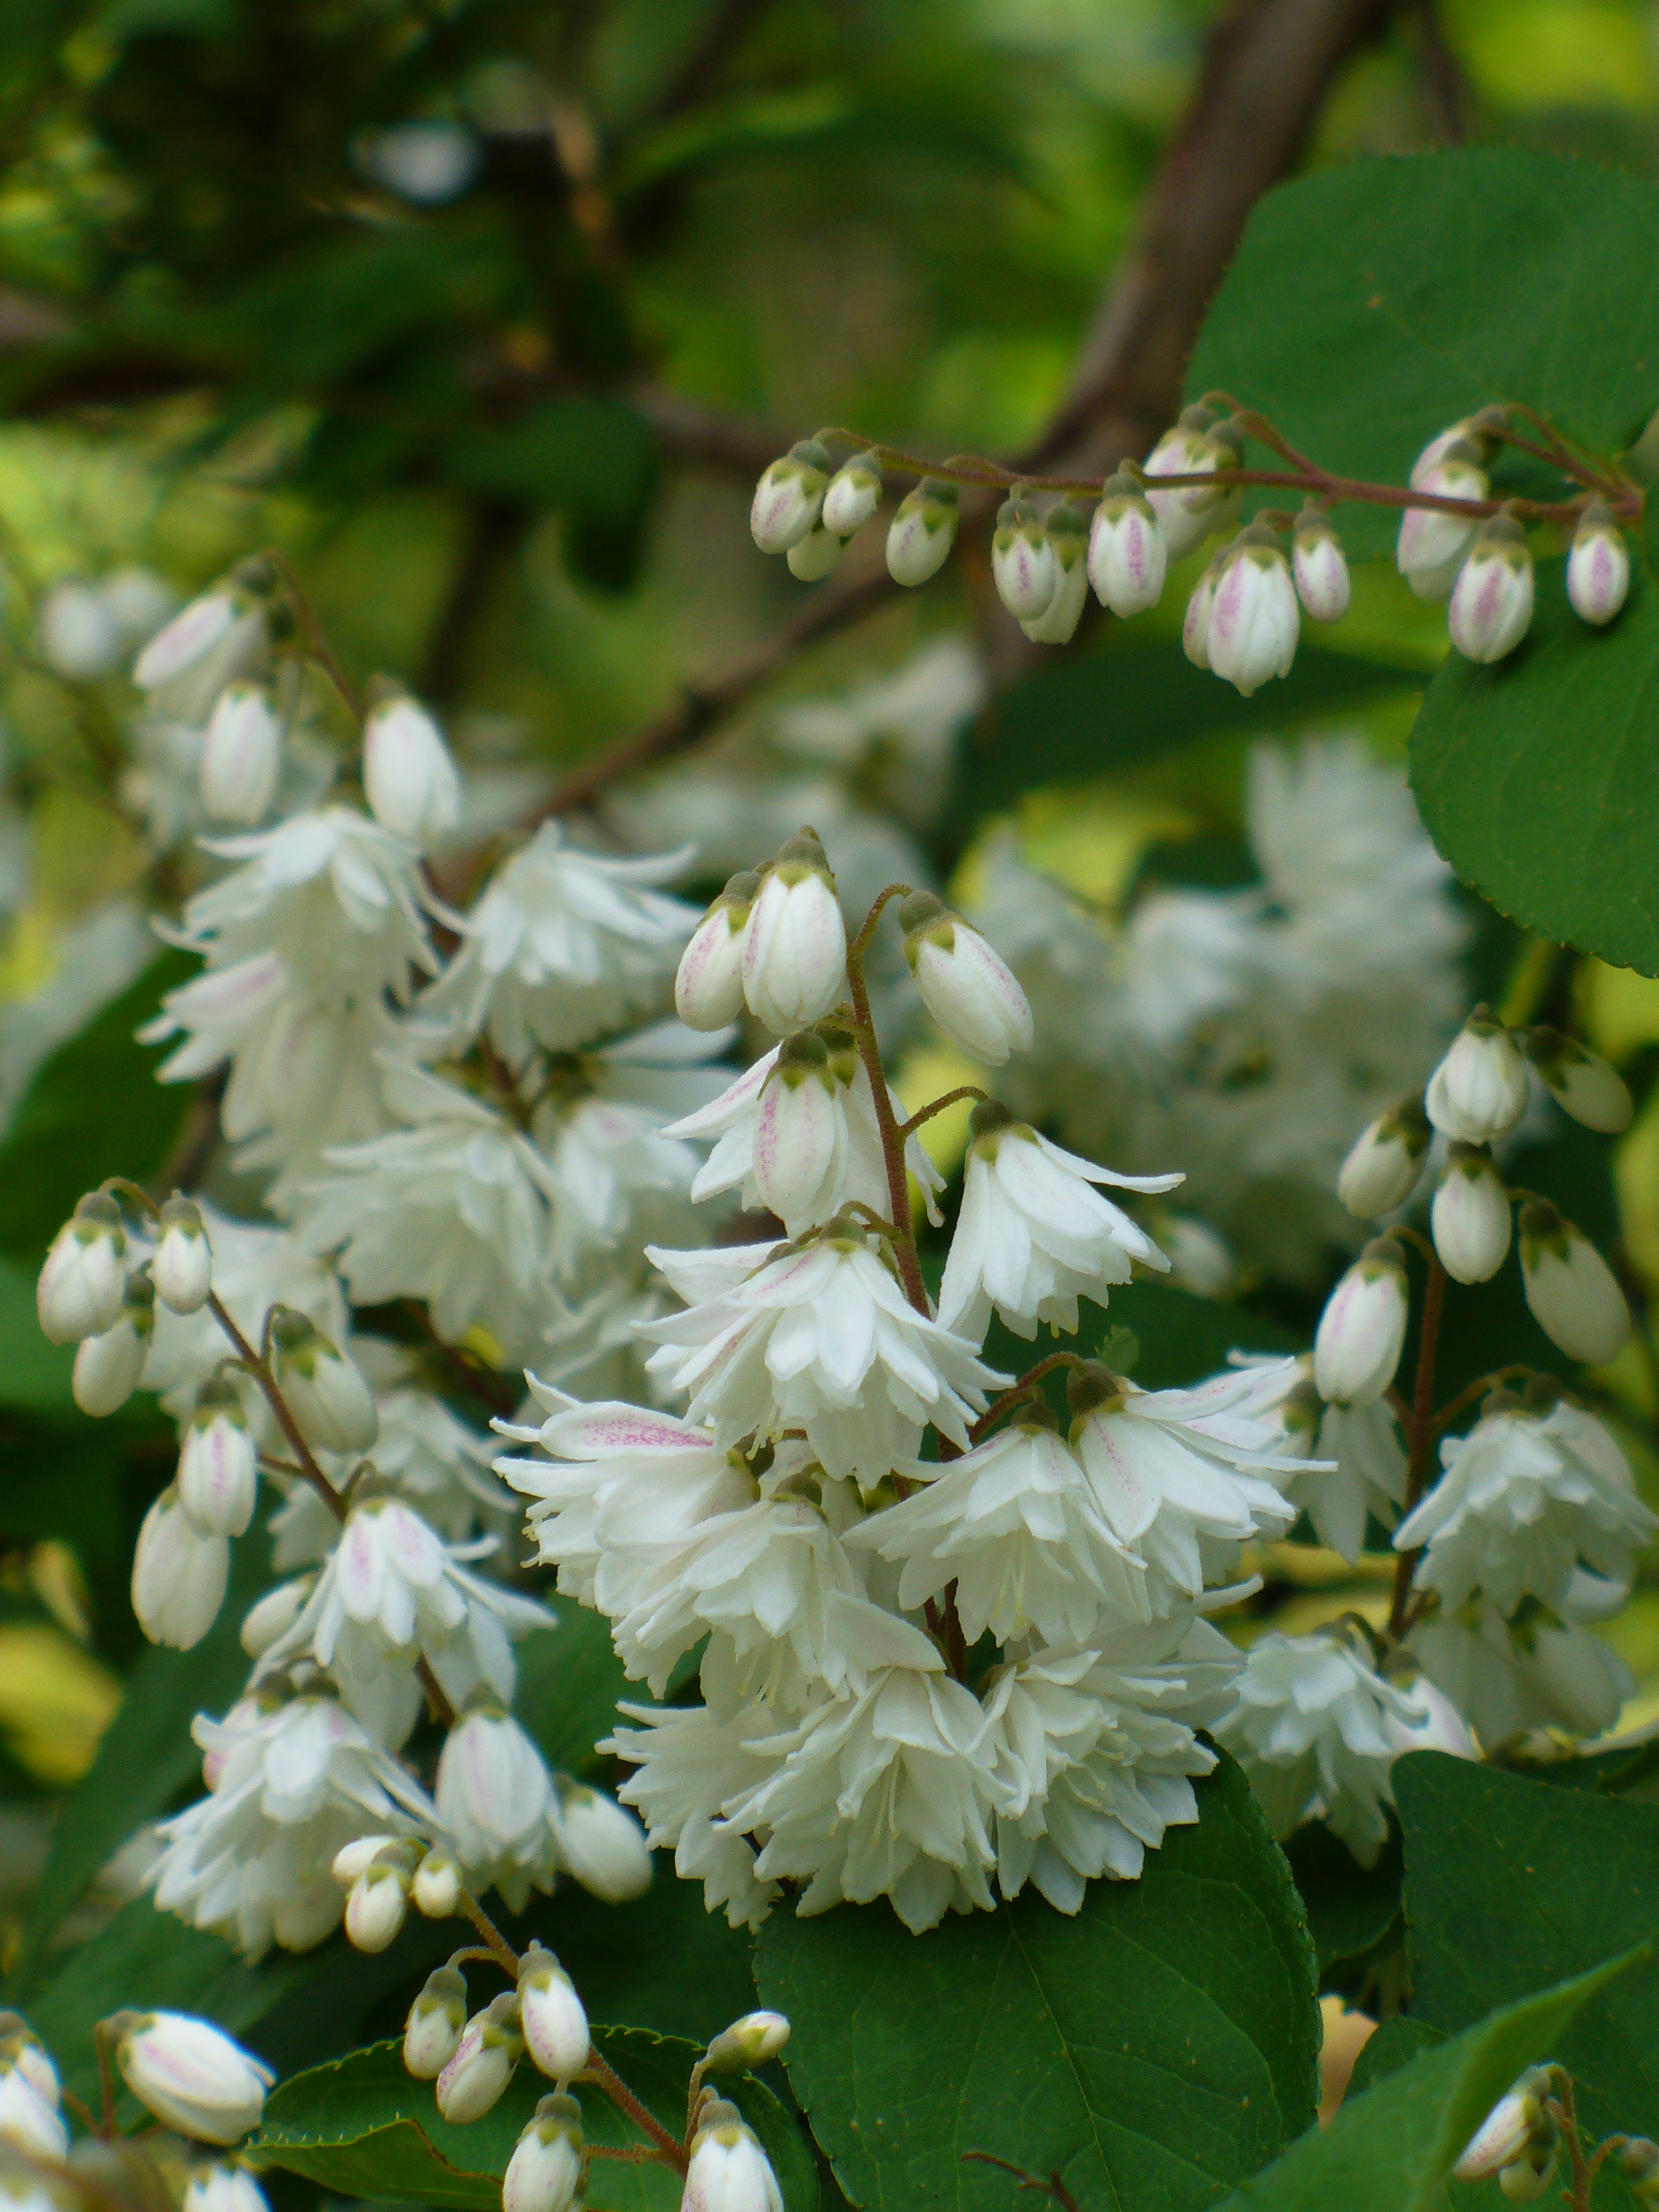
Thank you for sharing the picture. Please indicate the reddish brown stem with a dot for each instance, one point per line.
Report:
(605, 2077)
(938, 1106)
(893, 1142)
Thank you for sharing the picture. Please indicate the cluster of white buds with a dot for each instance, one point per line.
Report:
(1519, 2140)
(98, 1290)
(775, 940)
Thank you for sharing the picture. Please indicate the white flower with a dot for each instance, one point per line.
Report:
(434, 1461)
(218, 1466)
(799, 1138)
(1536, 1670)
(220, 636)
(1361, 1330)
(967, 987)
(1381, 1172)
(1253, 622)
(191, 2076)
(254, 1269)
(1368, 1479)
(854, 495)
(1579, 1080)
(241, 761)
(599, 1842)
(432, 2034)
(490, 2050)
(1432, 543)
(1318, 1729)
(1032, 1235)
(708, 981)
(1470, 1216)
(1478, 1091)
(1127, 556)
(748, 2042)
(1195, 444)
(408, 778)
(1524, 1499)
(545, 2169)
(1069, 542)
(1183, 1477)
(1023, 565)
(729, 2172)
(794, 950)
(291, 1783)
(789, 496)
(1322, 583)
(1504, 2135)
(331, 1404)
(923, 531)
(1094, 1752)
(493, 1793)
(29, 2122)
(1598, 566)
(551, 2015)
(1015, 1525)
(84, 1279)
(1574, 1295)
(1491, 601)
(181, 1265)
(823, 1339)
(77, 634)
(179, 1576)
(564, 946)
(617, 1175)
(377, 1900)
(107, 1368)
(222, 2188)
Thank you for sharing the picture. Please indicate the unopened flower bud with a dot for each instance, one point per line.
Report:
(326, 1391)
(811, 558)
(1491, 602)
(84, 1279)
(1470, 1216)
(1526, 2179)
(1507, 2129)
(545, 2169)
(599, 1842)
(270, 1618)
(218, 1464)
(1317, 562)
(971, 993)
(492, 2045)
(729, 2172)
(1196, 443)
(241, 760)
(408, 778)
(190, 2075)
(223, 2188)
(789, 496)
(1579, 1080)
(1574, 1295)
(1361, 1331)
(853, 495)
(378, 1901)
(1069, 541)
(1638, 2161)
(1598, 566)
(1023, 565)
(1195, 628)
(794, 952)
(749, 2042)
(219, 637)
(437, 1887)
(79, 637)
(22, 2051)
(107, 1368)
(709, 984)
(1253, 623)
(432, 2034)
(1478, 1091)
(554, 2024)
(922, 532)
(29, 2122)
(1432, 544)
(179, 1576)
(181, 1265)
(1469, 437)
(1381, 1172)
(1127, 557)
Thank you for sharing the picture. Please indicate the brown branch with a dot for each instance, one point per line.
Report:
(703, 60)
(690, 432)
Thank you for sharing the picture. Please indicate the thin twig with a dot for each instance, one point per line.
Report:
(892, 1144)
(604, 2076)
(938, 1106)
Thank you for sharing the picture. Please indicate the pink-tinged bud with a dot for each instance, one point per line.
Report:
(378, 1902)
(554, 2024)
(178, 1576)
(218, 1465)
(1127, 557)
(29, 2122)
(108, 1368)
(708, 986)
(1580, 1081)
(1069, 542)
(1253, 623)
(1469, 436)
(181, 1265)
(1478, 1091)
(1574, 1295)
(432, 2034)
(218, 637)
(242, 755)
(270, 1618)
(490, 2047)
(600, 1843)
(854, 495)
(437, 1890)
(799, 1134)
(1470, 1216)
(409, 779)
(326, 1391)
(1431, 545)
(1322, 582)
(1381, 1172)
(922, 532)
(1491, 602)
(1195, 630)
(794, 953)
(749, 2042)
(811, 559)
(971, 993)
(78, 636)
(789, 497)
(1197, 443)
(1507, 2129)
(22, 2051)
(1023, 565)
(84, 1281)
(729, 2172)
(1361, 1331)
(1598, 566)
(191, 2076)
(545, 2169)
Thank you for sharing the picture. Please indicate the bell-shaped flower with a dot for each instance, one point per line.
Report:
(241, 762)
(599, 1842)
(1069, 542)
(1361, 1330)
(1491, 609)
(1382, 1171)
(923, 531)
(545, 2170)
(968, 990)
(408, 778)
(1478, 1091)
(1253, 622)
(1470, 1215)
(1574, 1295)
(1023, 564)
(853, 495)
(190, 2075)
(107, 1368)
(1318, 567)
(377, 1901)
(1432, 541)
(708, 981)
(1598, 566)
(789, 497)
(1127, 556)
(1197, 444)
(1033, 1235)
(1579, 1080)
(1534, 1669)
(800, 1135)
(218, 1475)
(794, 952)
(179, 1576)
(492, 1795)
(84, 1279)
(729, 2172)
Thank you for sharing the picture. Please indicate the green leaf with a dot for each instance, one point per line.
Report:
(593, 456)
(1152, 2051)
(1389, 2149)
(94, 1109)
(1184, 1338)
(1512, 1884)
(1370, 305)
(1350, 1908)
(361, 2127)
(569, 1680)
(34, 1374)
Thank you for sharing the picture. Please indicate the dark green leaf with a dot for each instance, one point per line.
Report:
(1183, 1338)
(1153, 2050)
(1510, 1886)
(593, 456)
(1389, 2149)
(34, 1376)
(1396, 2044)
(569, 1680)
(361, 2127)
(1350, 1908)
